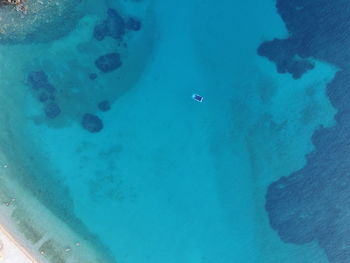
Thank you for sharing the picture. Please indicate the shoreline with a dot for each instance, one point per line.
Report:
(12, 250)
(36, 233)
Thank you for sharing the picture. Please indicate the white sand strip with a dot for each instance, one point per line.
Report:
(11, 251)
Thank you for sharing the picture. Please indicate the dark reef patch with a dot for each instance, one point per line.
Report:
(49, 88)
(92, 76)
(52, 110)
(37, 79)
(285, 56)
(91, 123)
(133, 24)
(312, 203)
(108, 62)
(104, 105)
(113, 26)
(45, 92)
(43, 97)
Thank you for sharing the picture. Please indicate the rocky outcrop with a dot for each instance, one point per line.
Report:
(91, 123)
(108, 62)
(104, 105)
(113, 26)
(52, 110)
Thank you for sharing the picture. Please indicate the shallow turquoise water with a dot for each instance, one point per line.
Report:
(169, 179)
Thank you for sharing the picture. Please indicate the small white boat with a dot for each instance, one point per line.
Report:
(197, 97)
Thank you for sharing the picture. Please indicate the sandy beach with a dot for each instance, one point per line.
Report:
(11, 250)
(31, 233)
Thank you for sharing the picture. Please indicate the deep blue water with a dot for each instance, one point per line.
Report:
(100, 115)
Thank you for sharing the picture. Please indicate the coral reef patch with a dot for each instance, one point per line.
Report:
(52, 110)
(104, 105)
(133, 24)
(312, 203)
(108, 62)
(113, 26)
(91, 123)
(45, 92)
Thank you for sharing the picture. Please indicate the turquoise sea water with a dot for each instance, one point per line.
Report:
(168, 179)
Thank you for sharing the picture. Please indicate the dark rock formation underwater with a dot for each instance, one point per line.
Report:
(313, 203)
(116, 26)
(37, 27)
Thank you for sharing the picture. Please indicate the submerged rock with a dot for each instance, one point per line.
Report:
(91, 123)
(283, 54)
(43, 97)
(113, 26)
(92, 76)
(312, 203)
(133, 24)
(100, 32)
(104, 105)
(52, 96)
(49, 88)
(108, 62)
(37, 79)
(52, 110)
